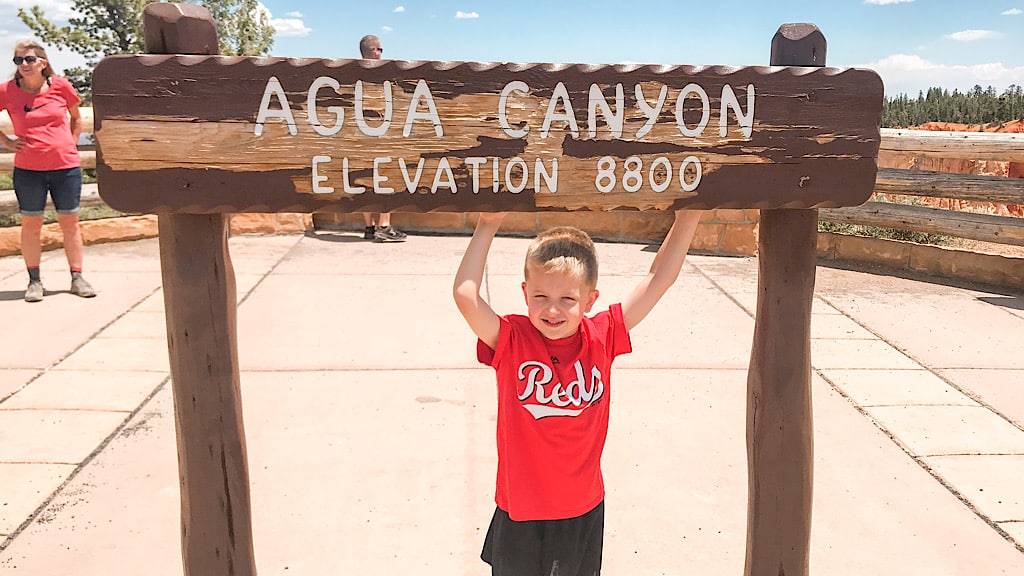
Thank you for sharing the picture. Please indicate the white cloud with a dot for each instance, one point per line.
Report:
(290, 27)
(14, 31)
(972, 35)
(466, 15)
(886, 2)
(910, 74)
(1012, 12)
(399, 9)
(386, 28)
(57, 11)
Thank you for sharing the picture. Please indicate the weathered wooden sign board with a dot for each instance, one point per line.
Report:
(208, 134)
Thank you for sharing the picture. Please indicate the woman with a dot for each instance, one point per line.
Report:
(44, 111)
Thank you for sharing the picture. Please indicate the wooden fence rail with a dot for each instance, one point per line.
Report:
(925, 183)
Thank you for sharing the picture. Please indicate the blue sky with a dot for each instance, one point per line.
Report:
(912, 44)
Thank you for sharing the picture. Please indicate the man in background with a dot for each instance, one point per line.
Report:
(382, 231)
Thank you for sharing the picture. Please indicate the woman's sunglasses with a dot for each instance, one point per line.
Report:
(26, 59)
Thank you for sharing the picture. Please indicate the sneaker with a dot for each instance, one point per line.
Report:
(79, 287)
(388, 234)
(34, 292)
(369, 232)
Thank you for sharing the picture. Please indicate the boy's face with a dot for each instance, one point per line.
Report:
(556, 302)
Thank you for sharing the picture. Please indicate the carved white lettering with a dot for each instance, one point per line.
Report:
(422, 92)
(514, 86)
(314, 118)
(365, 128)
(378, 178)
(317, 178)
(344, 179)
(614, 120)
(729, 100)
(444, 168)
(650, 112)
(560, 95)
(705, 111)
(411, 184)
(274, 90)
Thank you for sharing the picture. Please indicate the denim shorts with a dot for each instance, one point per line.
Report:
(64, 186)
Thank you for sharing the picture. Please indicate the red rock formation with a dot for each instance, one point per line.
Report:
(980, 167)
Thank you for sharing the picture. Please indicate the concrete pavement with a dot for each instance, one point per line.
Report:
(370, 425)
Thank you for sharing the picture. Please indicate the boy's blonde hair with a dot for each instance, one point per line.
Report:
(566, 250)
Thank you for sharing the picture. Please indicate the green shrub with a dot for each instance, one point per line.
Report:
(884, 233)
(50, 216)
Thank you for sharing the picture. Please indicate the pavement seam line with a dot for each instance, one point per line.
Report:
(264, 276)
(85, 341)
(9, 538)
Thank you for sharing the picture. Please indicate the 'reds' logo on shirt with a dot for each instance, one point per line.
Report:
(544, 397)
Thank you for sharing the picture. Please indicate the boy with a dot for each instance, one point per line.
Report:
(552, 369)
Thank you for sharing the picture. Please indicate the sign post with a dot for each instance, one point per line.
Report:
(780, 431)
(200, 303)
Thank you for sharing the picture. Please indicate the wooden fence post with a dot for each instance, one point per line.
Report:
(780, 435)
(200, 302)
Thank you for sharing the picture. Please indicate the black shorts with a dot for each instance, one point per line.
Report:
(570, 547)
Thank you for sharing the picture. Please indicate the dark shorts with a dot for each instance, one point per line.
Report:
(570, 547)
(64, 186)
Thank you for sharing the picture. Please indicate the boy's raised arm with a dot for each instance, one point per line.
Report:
(664, 270)
(477, 312)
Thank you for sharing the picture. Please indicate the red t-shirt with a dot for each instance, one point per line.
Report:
(553, 398)
(42, 120)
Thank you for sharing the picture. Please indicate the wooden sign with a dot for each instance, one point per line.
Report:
(208, 134)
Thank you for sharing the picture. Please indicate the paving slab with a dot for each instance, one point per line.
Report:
(992, 482)
(23, 487)
(1014, 529)
(298, 329)
(877, 354)
(1003, 389)
(54, 436)
(152, 303)
(86, 390)
(120, 354)
(885, 387)
(949, 430)
(832, 326)
(995, 339)
(137, 324)
(13, 379)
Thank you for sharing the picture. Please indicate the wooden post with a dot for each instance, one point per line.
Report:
(200, 302)
(780, 435)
